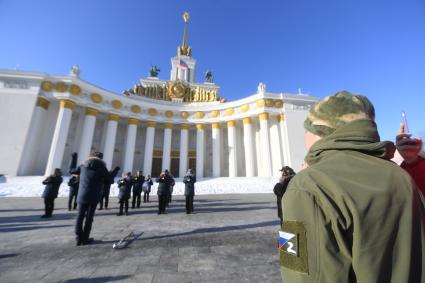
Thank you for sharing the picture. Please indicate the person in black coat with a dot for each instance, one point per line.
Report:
(147, 188)
(73, 183)
(165, 182)
(124, 185)
(280, 188)
(189, 181)
(170, 191)
(50, 192)
(93, 177)
(107, 188)
(137, 189)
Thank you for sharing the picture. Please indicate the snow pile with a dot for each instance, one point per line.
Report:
(33, 187)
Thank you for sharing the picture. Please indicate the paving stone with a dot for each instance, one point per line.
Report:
(230, 238)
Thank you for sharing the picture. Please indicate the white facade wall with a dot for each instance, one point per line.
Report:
(12, 140)
(285, 139)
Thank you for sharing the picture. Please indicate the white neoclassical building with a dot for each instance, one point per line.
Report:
(172, 124)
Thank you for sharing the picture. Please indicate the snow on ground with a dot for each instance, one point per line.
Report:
(32, 186)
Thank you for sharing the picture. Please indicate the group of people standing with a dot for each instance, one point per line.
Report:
(140, 184)
(90, 184)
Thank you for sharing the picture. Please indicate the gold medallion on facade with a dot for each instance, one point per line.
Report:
(229, 112)
(278, 103)
(260, 103)
(135, 109)
(169, 114)
(269, 102)
(199, 115)
(96, 98)
(47, 86)
(75, 89)
(152, 111)
(215, 114)
(244, 108)
(184, 114)
(61, 87)
(116, 104)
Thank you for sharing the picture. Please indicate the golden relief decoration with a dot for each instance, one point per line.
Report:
(61, 87)
(47, 86)
(175, 89)
(135, 109)
(116, 104)
(75, 89)
(96, 98)
(184, 114)
(169, 114)
(215, 114)
(278, 103)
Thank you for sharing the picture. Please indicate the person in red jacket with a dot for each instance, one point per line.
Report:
(410, 149)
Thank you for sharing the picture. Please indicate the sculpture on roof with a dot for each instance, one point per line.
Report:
(209, 77)
(154, 71)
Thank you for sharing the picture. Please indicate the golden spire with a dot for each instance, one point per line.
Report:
(184, 49)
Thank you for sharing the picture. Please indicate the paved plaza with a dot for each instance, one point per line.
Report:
(230, 238)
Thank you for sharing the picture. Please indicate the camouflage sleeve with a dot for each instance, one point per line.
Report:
(318, 247)
(298, 240)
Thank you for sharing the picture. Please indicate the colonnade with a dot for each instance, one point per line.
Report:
(62, 126)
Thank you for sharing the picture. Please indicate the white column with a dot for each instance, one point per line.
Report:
(130, 144)
(276, 147)
(216, 150)
(248, 140)
(150, 138)
(231, 138)
(60, 135)
(110, 135)
(33, 137)
(184, 144)
(200, 144)
(87, 135)
(265, 144)
(166, 152)
(284, 139)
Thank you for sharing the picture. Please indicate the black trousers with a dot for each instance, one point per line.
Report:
(49, 205)
(189, 204)
(145, 196)
(136, 197)
(72, 196)
(83, 228)
(124, 205)
(105, 197)
(162, 203)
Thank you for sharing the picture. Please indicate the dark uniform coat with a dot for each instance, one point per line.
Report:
(124, 185)
(138, 184)
(189, 185)
(93, 177)
(73, 184)
(353, 215)
(52, 186)
(164, 186)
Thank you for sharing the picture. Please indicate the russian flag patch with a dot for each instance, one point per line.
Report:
(288, 243)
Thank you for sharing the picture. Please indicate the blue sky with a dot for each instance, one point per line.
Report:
(376, 48)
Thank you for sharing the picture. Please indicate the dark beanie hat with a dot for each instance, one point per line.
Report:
(337, 110)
